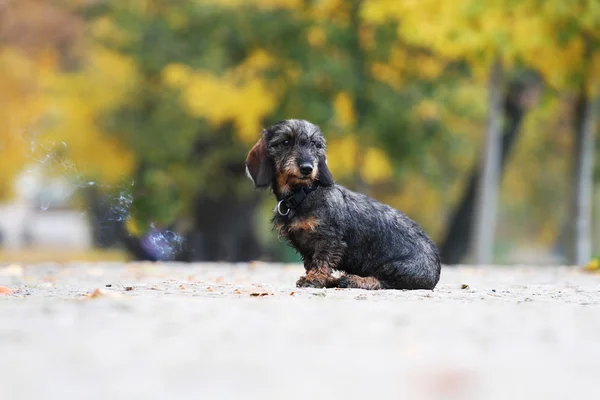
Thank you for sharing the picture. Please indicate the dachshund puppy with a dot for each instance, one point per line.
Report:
(333, 228)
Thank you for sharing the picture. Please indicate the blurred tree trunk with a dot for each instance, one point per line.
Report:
(596, 213)
(487, 193)
(223, 220)
(361, 76)
(106, 232)
(224, 230)
(521, 96)
(583, 178)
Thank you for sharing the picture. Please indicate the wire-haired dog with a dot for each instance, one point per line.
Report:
(332, 227)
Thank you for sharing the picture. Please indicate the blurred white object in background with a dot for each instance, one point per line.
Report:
(41, 214)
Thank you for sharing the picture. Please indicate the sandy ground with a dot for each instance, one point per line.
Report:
(169, 331)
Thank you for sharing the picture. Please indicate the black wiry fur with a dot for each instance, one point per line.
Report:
(334, 228)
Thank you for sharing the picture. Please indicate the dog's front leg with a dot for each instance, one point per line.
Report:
(317, 276)
(320, 266)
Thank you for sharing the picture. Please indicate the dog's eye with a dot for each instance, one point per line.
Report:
(316, 144)
(285, 143)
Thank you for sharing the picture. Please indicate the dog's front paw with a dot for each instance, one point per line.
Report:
(301, 282)
(309, 283)
(343, 282)
(348, 281)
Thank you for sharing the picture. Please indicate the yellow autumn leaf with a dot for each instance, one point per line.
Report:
(240, 95)
(264, 4)
(175, 75)
(344, 109)
(316, 36)
(376, 166)
(593, 265)
(77, 101)
(341, 156)
(22, 107)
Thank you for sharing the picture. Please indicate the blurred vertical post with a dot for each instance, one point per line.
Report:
(358, 60)
(486, 205)
(596, 213)
(522, 95)
(583, 168)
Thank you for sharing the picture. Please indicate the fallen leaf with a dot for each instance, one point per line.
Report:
(464, 286)
(237, 291)
(128, 288)
(259, 294)
(98, 293)
(209, 289)
(181, 287)
(4, 290)
(292, 293)
(95, 294)
(593, 265)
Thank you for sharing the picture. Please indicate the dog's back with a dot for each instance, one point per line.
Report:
(383, 242)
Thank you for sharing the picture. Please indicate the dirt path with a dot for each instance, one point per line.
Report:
(220, 331)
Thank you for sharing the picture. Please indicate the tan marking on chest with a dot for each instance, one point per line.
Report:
(308, 224)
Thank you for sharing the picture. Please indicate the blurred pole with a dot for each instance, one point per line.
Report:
(486, 205)
(596, 212)
(522, 95)
(583, 168)
(361, 103)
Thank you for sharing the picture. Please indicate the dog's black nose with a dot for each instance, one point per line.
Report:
(306, 168)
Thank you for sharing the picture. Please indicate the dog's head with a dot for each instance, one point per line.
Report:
(289, 154)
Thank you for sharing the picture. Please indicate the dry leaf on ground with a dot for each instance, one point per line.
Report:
(259, 294)
(4, 290)
(592, 266)
(98, 293)
(95, 294)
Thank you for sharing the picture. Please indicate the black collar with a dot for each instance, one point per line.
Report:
(295, 199)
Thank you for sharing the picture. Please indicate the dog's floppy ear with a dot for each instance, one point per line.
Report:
(325, 176)
(258, 166)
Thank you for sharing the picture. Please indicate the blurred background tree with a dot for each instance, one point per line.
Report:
(150, 106)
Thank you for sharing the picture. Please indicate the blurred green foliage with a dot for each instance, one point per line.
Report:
(172, 94)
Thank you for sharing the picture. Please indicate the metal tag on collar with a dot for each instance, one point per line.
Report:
(279, 209)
